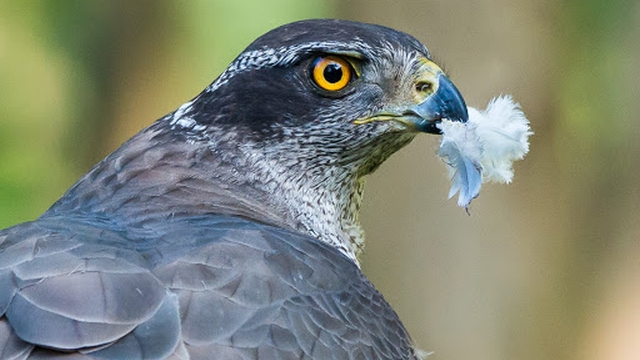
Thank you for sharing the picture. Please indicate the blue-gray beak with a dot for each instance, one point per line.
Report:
(445, 103)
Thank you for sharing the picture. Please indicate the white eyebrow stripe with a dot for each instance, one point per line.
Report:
(286, 55)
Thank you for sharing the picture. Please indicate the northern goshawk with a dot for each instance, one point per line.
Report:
(229, 228)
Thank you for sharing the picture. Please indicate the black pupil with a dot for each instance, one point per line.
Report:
(333, 73)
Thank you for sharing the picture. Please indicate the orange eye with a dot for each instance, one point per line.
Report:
(331, 73)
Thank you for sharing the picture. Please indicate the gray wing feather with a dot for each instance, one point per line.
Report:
(64, 293)
(207, 287)
(11, 346)
(156, 338)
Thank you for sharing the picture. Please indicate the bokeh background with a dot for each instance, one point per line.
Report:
(545, 268)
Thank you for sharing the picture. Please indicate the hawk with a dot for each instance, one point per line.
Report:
(228, 229)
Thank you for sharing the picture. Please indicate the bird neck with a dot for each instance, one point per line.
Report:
(311, 192)
(154, 176)
(322, 201)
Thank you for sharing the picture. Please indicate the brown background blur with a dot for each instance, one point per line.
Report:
(545, 268)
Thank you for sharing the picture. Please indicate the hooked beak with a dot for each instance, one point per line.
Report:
(445, 103)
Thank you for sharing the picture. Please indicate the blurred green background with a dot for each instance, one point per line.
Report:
(546, 268)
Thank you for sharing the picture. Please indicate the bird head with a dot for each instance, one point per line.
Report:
(327, 92)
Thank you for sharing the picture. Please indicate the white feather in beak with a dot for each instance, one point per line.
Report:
(484, 148)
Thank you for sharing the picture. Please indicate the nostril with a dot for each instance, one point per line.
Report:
(424, 86)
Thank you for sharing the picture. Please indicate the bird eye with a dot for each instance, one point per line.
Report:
(331, 73)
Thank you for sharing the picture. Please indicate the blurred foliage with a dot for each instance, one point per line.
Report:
(72, 75)
(535, 272)
(597, 141)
